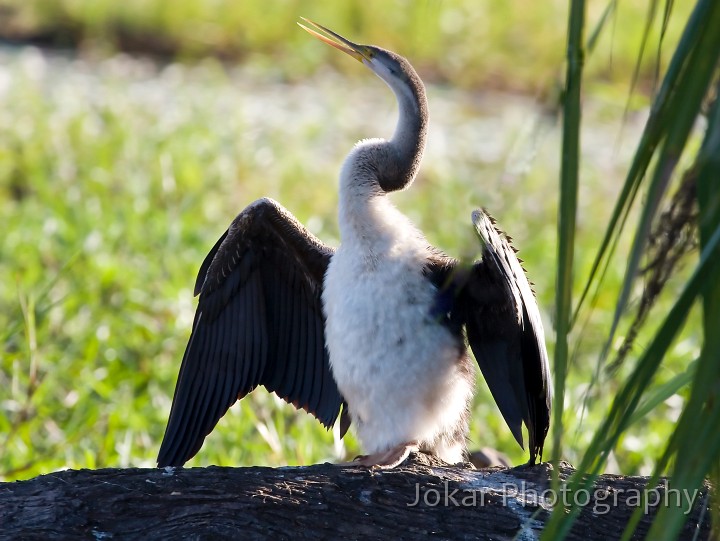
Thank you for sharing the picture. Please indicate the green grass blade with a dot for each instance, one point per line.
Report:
(701, 57)
(660, 465)
(652, 12)
(692, 466)
(628, 397)
(655, 130)
(567, 211)
(673, 115)
(600, 26)
(663, 32)
(663, 392)
(697, 446)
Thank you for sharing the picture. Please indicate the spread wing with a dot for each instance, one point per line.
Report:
(259, 321)
(494, 301)
(506, 335)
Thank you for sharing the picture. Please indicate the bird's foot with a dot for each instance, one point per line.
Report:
(385, 460)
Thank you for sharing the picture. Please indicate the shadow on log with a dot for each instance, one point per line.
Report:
(422, 498)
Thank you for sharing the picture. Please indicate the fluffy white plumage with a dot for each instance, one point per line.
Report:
(400, 371)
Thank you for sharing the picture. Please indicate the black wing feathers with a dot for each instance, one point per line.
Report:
(206, 265)
(507, 337)
(493, 300)
(259, 322)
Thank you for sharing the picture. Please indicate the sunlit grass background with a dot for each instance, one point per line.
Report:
(118, 173)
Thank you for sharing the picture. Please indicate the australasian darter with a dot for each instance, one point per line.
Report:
(376, 328)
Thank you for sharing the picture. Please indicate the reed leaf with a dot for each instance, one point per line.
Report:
(656, 128)
(567, 211)
(696, 442)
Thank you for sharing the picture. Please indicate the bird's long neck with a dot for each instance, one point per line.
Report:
(377, 166)
(408, 141)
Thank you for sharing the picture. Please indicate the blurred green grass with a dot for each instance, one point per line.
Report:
(512, 45)
(117, 175)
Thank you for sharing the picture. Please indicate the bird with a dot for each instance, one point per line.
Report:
(375, 332)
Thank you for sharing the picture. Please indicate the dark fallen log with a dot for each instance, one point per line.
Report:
(421, 498)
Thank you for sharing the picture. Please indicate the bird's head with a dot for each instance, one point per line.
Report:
(408, 141)
(392, 68)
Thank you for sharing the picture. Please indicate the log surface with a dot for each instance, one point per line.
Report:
(422, 498)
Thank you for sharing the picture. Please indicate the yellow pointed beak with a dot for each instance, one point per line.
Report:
(358, 52)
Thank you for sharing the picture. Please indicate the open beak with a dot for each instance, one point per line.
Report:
(358, 52)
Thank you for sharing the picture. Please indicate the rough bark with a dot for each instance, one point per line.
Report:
(316, 502)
